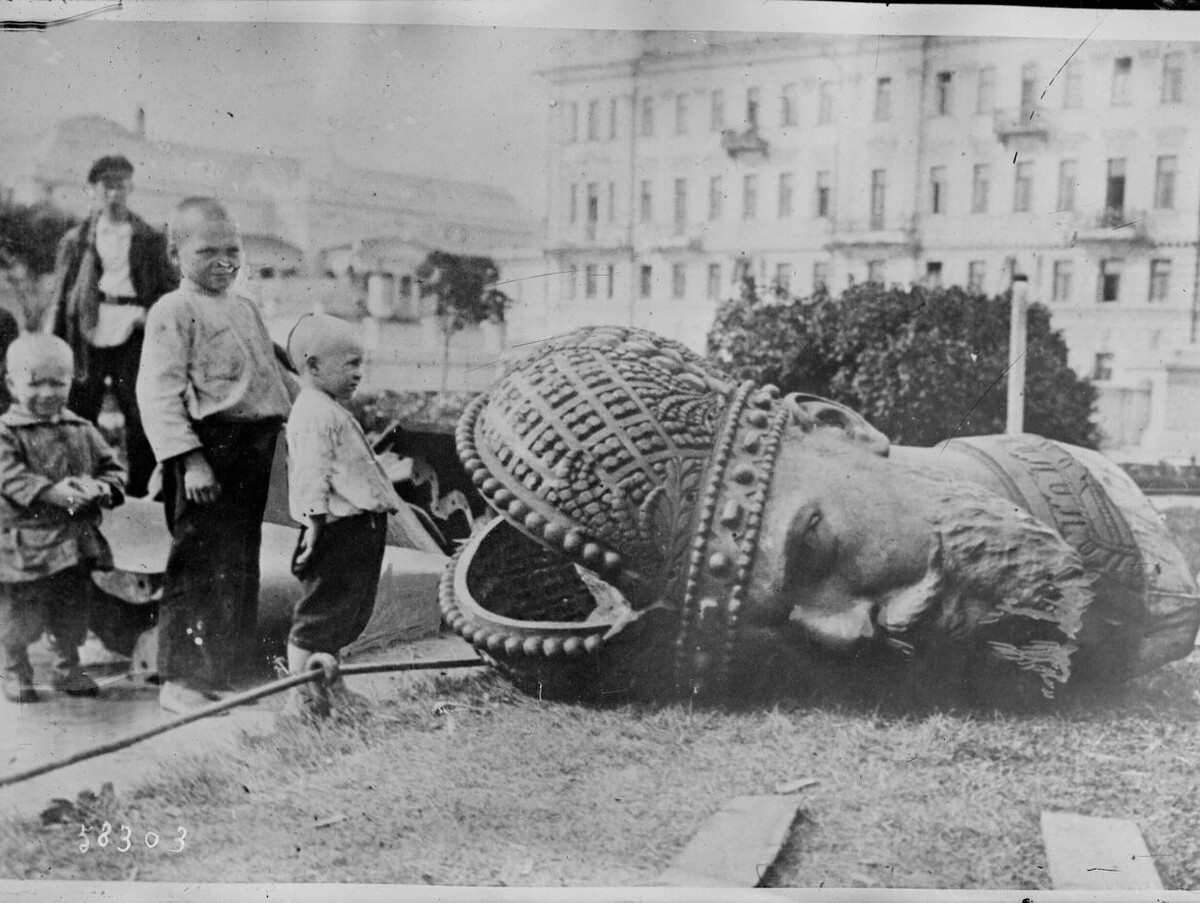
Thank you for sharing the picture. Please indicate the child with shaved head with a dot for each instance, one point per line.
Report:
(56, 473)
(339, 493)
(213, 398)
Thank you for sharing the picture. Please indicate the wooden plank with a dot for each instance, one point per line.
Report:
(1087, 853)
(737, 846)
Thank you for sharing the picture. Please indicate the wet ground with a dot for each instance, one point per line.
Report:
(60, 726)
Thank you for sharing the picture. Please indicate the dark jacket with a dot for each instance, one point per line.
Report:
(36, 538)
(150, 267)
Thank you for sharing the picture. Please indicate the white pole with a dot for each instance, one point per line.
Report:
(1017, 340)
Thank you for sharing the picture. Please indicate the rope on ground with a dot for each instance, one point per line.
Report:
(232, 702)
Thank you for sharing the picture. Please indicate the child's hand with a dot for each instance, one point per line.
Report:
(95, 490)
(304, 548)
(68, 494)
(199, 482)
(397, 469)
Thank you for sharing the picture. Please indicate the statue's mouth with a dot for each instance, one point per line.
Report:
(511, 597)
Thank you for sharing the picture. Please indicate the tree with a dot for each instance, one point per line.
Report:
(463, 288)
(921, 364)
(29, 236)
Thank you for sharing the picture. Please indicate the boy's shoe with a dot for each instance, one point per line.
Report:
(180, 698)
(74, 681)
(18, 686)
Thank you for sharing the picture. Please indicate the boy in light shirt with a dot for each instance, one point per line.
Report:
(340, 494)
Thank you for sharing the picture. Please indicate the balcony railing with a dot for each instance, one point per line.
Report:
(874, 232)
(1112, 225)
(1017, 122)
(745, 143)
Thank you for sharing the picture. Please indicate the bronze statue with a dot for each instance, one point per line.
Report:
(667, 533)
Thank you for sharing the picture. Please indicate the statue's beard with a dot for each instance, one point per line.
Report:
(997, 580)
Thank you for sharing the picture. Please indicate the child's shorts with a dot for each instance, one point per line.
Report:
(340, 581)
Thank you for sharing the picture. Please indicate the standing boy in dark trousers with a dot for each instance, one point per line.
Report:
(338, 491)
(109, 271)
(214, 398)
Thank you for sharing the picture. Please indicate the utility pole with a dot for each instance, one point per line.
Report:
(1017, 341)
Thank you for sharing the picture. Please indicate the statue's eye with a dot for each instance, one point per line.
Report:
(810, 552)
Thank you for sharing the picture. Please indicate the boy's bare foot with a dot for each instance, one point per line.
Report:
(177, 697)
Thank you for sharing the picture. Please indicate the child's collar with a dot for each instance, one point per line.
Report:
(18, 415)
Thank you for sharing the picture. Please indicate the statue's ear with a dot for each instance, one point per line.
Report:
(814, 412)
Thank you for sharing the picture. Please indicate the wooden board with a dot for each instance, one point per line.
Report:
(1087, 853)
(737, 846)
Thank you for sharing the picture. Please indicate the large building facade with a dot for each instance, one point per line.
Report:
(681, 162)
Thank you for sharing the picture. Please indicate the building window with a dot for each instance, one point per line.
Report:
(678, 281)
(644, 281)
(749, 197)
(1061, 290)
(942, 93)
(1110, 279)
(1160, 279)
(681, 114)
(783, 279)
(1023, 188)
(716, 198)
(1029, 90)
(647, 120)
(875, 271)
(787, 106)
(593, 208)
(1114, 191)
(824, 103)
(976, 274)
(647, 202)
(589, 281)
(1122, 67)
(752, 108)
(985, 96)
(573, 204)
(878, 197)
(933, 274)
(612, 119)
(593, 120)
(820, 276)
(572, 122)
(1068, 180)
(681, 211)
(612, 201)
(714, 281)
(823, 193)
(1102, 369)
(717, 111)
(572, 279)
(1164, 183)
(883, 99)
(981, 184)
(1073, 86)
(937, 189)
(785, 195)
(1172, 78)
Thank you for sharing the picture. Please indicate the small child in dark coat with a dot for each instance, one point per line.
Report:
(56, 473)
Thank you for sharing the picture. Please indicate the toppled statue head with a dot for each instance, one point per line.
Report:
(665, 532)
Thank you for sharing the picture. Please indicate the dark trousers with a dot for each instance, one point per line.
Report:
(340, 581)
(209, 609)
(120, 364)
(59, 604)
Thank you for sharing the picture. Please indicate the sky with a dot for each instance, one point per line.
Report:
(454, 102)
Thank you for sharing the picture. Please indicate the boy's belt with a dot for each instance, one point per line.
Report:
(117, 299)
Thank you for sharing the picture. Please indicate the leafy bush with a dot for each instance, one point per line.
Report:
(920, 364)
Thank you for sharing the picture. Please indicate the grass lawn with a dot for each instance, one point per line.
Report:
(464, 781)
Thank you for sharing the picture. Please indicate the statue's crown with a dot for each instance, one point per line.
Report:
(639, 460)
